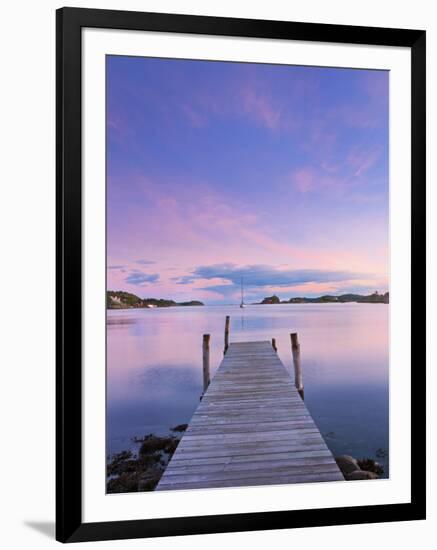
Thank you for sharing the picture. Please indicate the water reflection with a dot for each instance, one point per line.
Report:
(155, 367)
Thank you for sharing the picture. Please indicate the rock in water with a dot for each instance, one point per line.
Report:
(360, 474)
(370, 465)
(347, 464)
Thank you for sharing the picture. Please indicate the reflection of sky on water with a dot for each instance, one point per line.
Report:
(155, 366)
(158, 397)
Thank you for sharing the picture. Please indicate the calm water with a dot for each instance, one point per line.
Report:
(155, 367)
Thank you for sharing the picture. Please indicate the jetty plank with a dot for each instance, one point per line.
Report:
(250, 428)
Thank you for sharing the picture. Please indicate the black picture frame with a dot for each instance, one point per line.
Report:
(70, 22)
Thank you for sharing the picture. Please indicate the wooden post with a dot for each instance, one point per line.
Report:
(274, 344)
(295, 350)
(226, 333)
(206, 376)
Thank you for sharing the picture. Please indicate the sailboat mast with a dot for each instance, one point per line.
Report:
(242, 297)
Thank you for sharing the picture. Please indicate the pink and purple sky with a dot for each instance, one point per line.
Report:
(218, 171)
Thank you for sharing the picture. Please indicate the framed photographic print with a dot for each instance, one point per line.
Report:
(240, 274)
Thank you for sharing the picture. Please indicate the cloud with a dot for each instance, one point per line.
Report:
(221, 289)
(266, 276)
(304, 179)
(145, 262)
(337, 176)
(244, 97)
(361, 161)
(261, 108)
(138, 278)
(307, 179)
(195, 117)
(116, 266)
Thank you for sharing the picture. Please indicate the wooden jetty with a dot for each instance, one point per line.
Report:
(250, 428)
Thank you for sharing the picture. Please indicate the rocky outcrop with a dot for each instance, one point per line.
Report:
(352, 470)
(347, 464)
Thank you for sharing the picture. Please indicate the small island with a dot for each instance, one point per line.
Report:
(374, 298)
(118, 299)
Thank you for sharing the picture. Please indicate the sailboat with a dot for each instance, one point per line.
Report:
(242, 304)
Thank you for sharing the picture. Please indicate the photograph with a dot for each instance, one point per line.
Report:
(247, 274)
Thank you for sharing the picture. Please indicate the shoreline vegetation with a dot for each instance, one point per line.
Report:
(374, 298)
(129, 472)
(118, 299)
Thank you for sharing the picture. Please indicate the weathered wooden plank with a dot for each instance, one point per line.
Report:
(284, 465)
(229, 429)
(297, 456)
(221, 471)
(246, 406)
(294, 434)
(251, 428)
(244, 449)
(236, 420)
(273, 479)
(281, 430)
(235, 449)
(253, 416)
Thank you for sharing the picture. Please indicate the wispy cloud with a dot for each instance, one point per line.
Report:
(261, 108)
(306, 179)
(195, 117)
(145, 262)
(243, 97)
(116, 266)
(347, 171)
(362, 160)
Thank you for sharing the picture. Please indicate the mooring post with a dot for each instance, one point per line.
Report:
(274, 344)
(206, 376)
(226, 334)
(295, 350)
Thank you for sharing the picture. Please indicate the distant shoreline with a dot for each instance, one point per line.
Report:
(374, 298)
(123, 308)
(118, 299)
